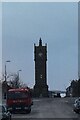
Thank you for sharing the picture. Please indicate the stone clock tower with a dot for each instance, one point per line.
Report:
(40, 58)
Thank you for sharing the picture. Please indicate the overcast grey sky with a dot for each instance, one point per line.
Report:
(0, 38)
(57, 25)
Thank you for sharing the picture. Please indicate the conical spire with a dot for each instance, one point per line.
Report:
(40, 42)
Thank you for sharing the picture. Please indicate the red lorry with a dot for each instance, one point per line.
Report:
(19, 100)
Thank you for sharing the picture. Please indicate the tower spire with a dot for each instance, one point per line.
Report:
(40, 42)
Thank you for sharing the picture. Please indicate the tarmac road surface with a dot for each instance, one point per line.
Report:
(50, 108)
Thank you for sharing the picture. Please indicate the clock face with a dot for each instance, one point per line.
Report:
(40, 54)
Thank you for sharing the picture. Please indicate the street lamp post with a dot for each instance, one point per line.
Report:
(18, 78)
(5, 70)
(18, 73)
(5, 93)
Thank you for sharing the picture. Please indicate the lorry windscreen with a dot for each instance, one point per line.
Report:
(17, 95)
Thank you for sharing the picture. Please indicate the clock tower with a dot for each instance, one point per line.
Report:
(40, 58)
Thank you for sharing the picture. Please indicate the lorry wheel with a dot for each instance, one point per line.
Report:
(10, 117)
(29, 110)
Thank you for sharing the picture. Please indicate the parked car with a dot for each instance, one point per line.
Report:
(77, 105)
(4, 114)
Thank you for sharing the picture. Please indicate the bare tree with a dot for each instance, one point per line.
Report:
(13, 80)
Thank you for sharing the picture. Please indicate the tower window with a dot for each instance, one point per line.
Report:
(41, 76)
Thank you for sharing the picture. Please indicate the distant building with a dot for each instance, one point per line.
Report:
(40, 58)
(69, 91)
(74, 89)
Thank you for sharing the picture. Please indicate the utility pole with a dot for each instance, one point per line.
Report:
(5, 94)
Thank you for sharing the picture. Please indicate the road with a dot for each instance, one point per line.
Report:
(49, 108)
